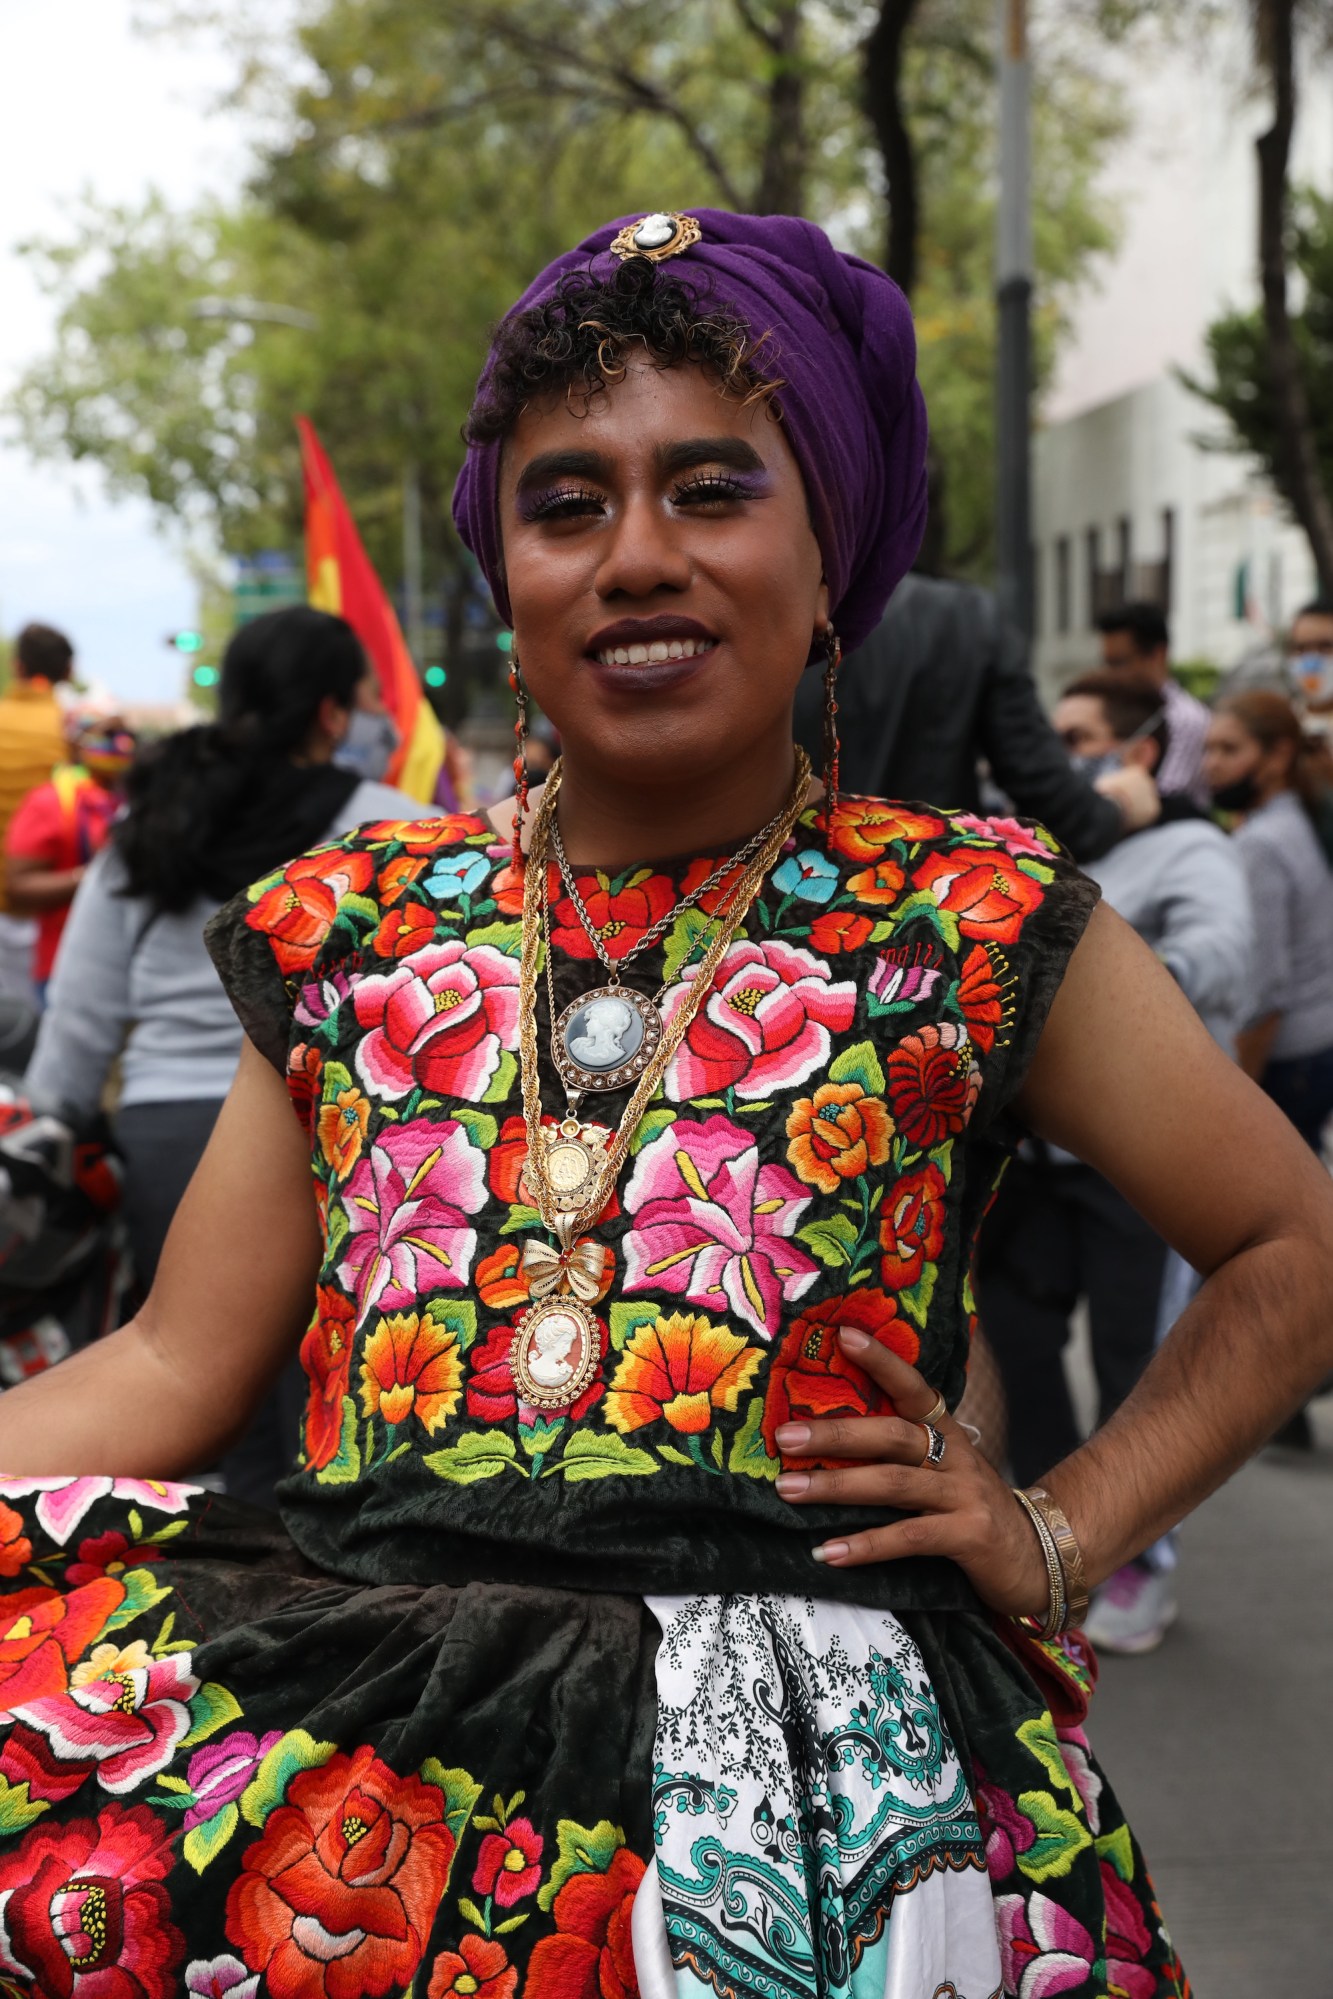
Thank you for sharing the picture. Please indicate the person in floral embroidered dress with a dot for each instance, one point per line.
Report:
(639, 1619)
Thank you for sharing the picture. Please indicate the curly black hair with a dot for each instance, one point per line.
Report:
(577, 340)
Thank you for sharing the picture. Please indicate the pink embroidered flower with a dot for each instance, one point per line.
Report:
(1043, 1949)
(407, 1204)
(440, 1020)
(1128, 1941)
(1012, 833)
(219, 1772)
(765, 1025)
(222, 1977)
(65, 1501)
(1004, 1828)
(129, 1719)
(509, 1863)
(1077, 1759)
(714, 1226)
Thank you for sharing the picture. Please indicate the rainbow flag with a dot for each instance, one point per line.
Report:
(339, 578)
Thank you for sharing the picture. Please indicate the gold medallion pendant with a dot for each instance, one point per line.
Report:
(555, 1354)
(605, 1039)
(572, 1159)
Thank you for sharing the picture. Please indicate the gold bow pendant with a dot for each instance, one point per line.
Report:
(577, 1269)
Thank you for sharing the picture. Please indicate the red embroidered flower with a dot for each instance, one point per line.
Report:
(108, 1555)
(838, 930)
(491, 1395)
(326, 1356)
(911, 1229)
(398, 877)
(336, 1897)
(43, 1631)
(403, 930)
(933, 1084)
(423, 836)
(478, 1969)
(591, 1955)
(505, 1162)
(981, 997)
(863, 827)
(507, 888)
(984, 887)
(811, 1376)
(499, 1279)
(15, 1547)
(767, 1023)
(305, 1066)
(297, 912)
(881, 884)
(509, 1864)
(28, 1758)
(85, 1912)
(439, 1020)
(619, 920)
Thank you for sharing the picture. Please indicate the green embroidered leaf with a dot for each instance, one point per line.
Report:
(506, 937)
(336, 1077)
(521, 1218)
(141, 1594)
(673, 1456)
(297, 1750)
(514, 1923)
(337, 1227)
(753, 1110)
(969, 1295)
(502, 1082)
(916, 1302)
(345, 1467)
(832, 1239)
(685, 936)
(166, 1533)
(487, 1823)
(588, 1455)
(1038, 1737)
(210, 1709)
(176, 1784)
(17, 1810)
(1061, 1837)
(626, 1320)
(943, 921)
(538, 1436)
(360, 906)
(135, 1524)
(582, 1850)
(1118, 1848)
(205, 1842)
(457, 1316)
(1028, 866)
(858, 1064)
(881, 933)
(480, 1126)
(749, 1454)
(481, 1454)
(708, 1103)
(470, 1912)
(716, 1452)
(513, 1805)
(460, 1794)
(651, 1125)
(171, 1803)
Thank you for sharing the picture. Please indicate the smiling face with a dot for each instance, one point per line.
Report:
(665, 581)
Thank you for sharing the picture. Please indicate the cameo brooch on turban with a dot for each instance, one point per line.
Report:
(656, 236)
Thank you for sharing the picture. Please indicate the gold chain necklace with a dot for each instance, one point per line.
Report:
(572, 1168)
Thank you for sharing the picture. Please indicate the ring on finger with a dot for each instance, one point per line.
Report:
(937, 1409)
(934, 1447)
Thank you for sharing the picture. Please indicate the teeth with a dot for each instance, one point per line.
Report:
(640, 655)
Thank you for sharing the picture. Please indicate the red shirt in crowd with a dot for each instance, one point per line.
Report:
(62, 823)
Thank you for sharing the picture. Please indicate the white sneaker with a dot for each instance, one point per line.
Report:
(1132, 1610)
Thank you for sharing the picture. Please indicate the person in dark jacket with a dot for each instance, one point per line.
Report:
(945, 682)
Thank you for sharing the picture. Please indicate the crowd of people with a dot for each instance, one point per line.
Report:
(637, 1221)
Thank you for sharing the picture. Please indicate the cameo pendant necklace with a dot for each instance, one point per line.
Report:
(572, 1167)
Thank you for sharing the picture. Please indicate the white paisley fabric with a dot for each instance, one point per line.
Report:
(815, 1837)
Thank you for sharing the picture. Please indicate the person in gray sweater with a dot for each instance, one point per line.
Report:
(210, 810)
(1060, 1233)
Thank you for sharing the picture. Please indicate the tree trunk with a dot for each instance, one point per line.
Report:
(784, 162)
(1298, 457)
(881, 83)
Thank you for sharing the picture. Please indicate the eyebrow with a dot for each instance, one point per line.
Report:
(549, 466)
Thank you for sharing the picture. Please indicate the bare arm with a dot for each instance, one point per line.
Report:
(1254, 1044)
(161, 1397)
(33, 885)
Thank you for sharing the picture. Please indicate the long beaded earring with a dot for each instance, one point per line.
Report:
(832, 756)
(521, 779)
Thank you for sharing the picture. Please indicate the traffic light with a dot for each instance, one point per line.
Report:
(205, 676)
(435, 676)
(186, 642)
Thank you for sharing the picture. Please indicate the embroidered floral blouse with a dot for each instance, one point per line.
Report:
(821, 1151)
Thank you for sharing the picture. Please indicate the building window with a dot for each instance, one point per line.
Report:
(1062, 581)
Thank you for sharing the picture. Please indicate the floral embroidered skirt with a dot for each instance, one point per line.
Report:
(222, 1772)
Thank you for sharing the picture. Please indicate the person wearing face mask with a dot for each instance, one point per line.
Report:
(1060, 1232)
(208, 810)
(1309, 652)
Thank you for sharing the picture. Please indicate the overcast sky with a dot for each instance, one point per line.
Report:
(88, 104)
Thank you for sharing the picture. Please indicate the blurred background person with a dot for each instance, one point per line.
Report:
(209, 811)
(32, 743)
(1137, 641)
(943, 685)
(61, 824)
(1059, 1233)
(1310, 656)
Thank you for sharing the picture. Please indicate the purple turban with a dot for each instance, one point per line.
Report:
(838, 335)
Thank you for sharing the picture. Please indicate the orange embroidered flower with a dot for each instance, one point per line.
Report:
(984, 887)
(981, 997)
(398, 877)
(838, 930)
(341, 1126)
(297, 912)
(326, 1356)
(882, 883)
(681, 1368)
(836, 1134)
(863, 827)
(478, 1969)
(15, 1547)
(499, 1279)
(404, 930)
(411, 1365)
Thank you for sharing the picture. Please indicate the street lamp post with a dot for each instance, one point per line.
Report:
(1013, 290)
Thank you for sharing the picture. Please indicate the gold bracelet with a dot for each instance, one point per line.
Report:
(1071, 1555)
(1056, 1602)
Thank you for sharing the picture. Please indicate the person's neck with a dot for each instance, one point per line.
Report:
(613, 823)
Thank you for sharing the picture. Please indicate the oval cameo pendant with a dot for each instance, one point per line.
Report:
(606, 1039)
(555, 1353)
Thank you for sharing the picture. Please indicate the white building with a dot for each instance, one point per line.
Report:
(1128, 501)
